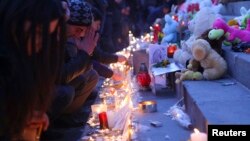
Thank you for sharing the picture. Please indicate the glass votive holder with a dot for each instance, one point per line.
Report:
(109, 101)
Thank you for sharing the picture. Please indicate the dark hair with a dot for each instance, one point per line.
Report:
(29, 73)
(97, 14)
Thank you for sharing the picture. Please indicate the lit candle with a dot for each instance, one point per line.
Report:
(198, 136)
(98, 108)
(103, 120)
(170, 51)
(148, 106)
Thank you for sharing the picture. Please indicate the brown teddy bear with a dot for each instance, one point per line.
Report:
(204, 49)
(213, 64)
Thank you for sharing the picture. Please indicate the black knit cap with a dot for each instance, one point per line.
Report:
(80, 13)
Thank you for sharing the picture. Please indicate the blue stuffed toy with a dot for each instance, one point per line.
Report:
(170, 31)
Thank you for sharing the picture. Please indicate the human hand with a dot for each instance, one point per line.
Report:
(116, 77)
(89, 42)
(37, 120)
(122, 58)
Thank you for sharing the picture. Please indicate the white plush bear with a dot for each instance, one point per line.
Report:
(170, 31)
(213, 64)
(202, 21)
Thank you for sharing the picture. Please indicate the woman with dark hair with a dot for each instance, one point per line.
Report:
(32, 40)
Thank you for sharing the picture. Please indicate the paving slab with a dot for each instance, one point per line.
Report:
(170, 130)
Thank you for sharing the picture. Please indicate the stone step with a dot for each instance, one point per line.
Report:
(210, 102)
(238, 65)
(228, 17)
(233, 8)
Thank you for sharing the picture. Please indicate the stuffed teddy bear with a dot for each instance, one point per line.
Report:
(213, 64)
(169, 31)
(197, 26)
(231, 33)
(193, 72)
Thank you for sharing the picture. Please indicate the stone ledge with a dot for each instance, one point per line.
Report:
(233, 8)
(209, 102)
(238, 65)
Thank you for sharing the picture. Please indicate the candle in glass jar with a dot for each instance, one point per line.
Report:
(198, 136)
(148, 106)
(170, 50)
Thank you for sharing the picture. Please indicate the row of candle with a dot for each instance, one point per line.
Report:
(114, 111)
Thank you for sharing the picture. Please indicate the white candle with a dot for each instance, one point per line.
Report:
(198, 136)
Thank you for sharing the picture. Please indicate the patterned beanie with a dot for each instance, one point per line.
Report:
(80, 13)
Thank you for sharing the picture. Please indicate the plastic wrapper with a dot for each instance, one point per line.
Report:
(177, 113)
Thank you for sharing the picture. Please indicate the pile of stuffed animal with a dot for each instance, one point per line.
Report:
(206, 63)
(200, 54)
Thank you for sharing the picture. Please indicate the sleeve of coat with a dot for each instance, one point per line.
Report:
(104, 57)
(76, 63)
(102, 70)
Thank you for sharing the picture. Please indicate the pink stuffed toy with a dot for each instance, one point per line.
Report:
(233, 33)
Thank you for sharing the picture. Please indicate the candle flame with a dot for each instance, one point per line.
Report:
(196, 130)
(148, 103)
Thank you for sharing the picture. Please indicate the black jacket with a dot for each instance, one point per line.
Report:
(76, 62)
